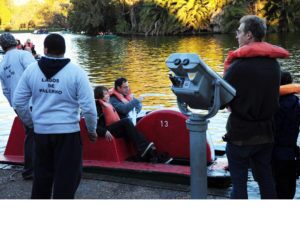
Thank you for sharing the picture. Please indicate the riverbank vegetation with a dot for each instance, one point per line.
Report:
(34, 14)
(149, 17)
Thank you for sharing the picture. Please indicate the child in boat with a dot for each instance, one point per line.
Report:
(109, 125)
(286, 153)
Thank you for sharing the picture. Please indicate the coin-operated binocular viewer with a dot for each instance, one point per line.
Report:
(197, 86)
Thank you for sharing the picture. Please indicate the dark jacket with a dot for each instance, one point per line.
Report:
(287, 122)
(256, 81)
(101, 127)
(123, 109)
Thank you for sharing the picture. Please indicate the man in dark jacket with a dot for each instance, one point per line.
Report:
(285, 152)
(249, 136)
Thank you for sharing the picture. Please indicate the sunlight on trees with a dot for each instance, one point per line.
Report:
(5, 14)
(150, 17)
(34, 13)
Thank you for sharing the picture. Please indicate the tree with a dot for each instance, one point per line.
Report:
(155, 20)
(132, 4)
(30, 24)
(283, 13)
(55, 12)
(5, 13)
(233, 12)
(25, 13)
(90, 15)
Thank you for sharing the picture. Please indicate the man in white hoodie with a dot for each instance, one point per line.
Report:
(11, 68)
(58, 89)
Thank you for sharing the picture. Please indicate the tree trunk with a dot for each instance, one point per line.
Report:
(132, 18)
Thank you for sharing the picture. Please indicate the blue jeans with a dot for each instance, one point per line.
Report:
(239, 158)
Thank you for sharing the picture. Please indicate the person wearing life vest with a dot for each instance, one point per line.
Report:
(254, 72)
(28, 45)
(110, 125)
(123, 100)
(19, 45)
(285, 157)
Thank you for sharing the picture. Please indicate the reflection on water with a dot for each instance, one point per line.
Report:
(142, 61)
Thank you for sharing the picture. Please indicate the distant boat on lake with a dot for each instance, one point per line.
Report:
(106, 36)
(40, 31)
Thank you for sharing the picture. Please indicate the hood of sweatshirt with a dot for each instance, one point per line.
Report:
(51, 66)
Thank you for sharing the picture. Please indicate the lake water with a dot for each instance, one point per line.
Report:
(142, 61)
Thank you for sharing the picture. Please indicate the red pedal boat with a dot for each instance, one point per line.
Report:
(166, 128)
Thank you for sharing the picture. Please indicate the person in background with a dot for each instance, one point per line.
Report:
(59, 90)
(285, 157)
(255, 74)
(110, 125)
(12, 67)
(123, 100)
(28, 45)
(19, 45)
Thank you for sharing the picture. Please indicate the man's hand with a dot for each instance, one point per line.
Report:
(108, 136)
(93, 136)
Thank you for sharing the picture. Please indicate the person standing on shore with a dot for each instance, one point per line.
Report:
(285, 157)
(255, 74)
(58, 89)
(11, 68)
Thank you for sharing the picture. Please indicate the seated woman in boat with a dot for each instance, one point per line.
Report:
(110, 125)
(19, 44)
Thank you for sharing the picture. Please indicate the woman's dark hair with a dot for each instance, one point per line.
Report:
(119, 82)
(55, 44)
(99, 92)
(286, 78)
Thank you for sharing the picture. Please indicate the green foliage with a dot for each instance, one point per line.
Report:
(122, 26)
(283, 14)
(150, 17)
(5, 13)
(54, 13)
(92, 16)
(47, 13)
(232, 14)
(156, 20)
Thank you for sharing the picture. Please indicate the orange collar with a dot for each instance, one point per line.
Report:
(122, 98)
(255, 49)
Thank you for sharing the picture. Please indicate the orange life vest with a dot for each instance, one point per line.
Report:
(110, 114)
(289, 89)
(122, 98)
(255, 49)
(28, 44)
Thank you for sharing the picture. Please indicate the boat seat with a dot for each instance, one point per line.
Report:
(115, 151)
(167, 129)
(15, 143)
